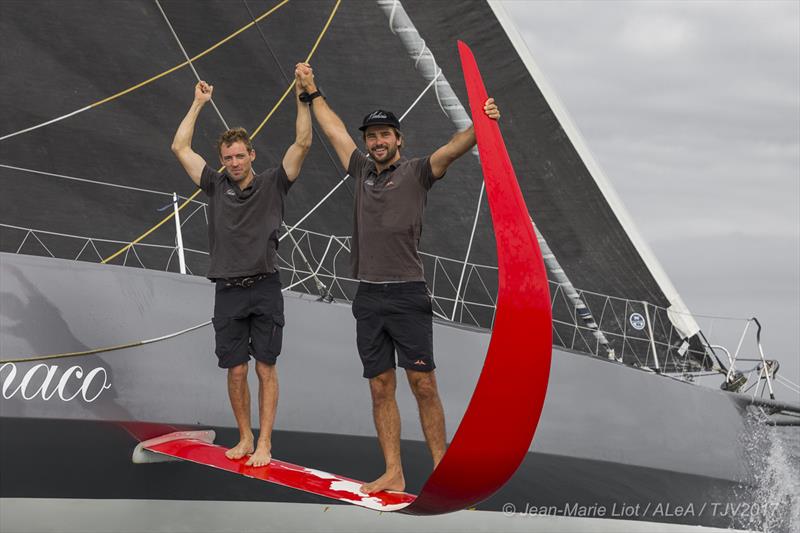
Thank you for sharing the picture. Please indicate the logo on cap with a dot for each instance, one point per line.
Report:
(380, 117)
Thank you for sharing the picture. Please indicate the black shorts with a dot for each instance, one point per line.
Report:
(248, 321)
(394, 317)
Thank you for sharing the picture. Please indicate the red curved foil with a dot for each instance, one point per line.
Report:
(498, 426)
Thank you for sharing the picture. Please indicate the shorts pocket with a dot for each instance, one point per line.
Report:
(276, 338)
(227, 336)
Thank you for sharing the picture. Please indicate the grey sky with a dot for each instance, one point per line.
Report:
(692, 109)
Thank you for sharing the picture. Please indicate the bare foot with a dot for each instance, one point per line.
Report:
(244, 447)
(389, 481)
(261, 457)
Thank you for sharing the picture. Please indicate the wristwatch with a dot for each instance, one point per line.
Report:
(308, 98)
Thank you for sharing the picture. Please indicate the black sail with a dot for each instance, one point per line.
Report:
(61, 57)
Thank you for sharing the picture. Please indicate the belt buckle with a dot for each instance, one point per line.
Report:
(248, 282)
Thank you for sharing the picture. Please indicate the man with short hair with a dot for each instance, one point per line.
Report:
(245, 214)
(392, 306)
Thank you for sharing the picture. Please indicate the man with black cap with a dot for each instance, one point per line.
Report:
(392, 306)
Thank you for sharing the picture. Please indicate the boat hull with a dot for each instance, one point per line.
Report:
(610, 436)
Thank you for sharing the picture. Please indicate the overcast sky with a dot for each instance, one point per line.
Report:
(692, 109)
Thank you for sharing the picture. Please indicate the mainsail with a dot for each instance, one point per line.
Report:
(85, 160)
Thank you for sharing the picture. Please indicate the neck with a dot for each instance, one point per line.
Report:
(246, 181)
(380, 167)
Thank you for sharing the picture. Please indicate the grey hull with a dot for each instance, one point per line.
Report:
(596, 412)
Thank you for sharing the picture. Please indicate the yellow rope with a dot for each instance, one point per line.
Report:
(308, 58)
(256, 132)
(198, 56)
(151, 230)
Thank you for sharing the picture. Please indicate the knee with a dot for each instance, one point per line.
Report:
(382, 387)
(423, 385)
(264, 371)
(238, 372)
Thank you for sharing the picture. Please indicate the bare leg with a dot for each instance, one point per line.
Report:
(431, 413)
(387, 423)
(239, 393)
(267, 404)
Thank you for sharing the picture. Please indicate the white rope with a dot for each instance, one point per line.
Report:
(43, 124)
(191, 65)
(94, 182)
(469, 250)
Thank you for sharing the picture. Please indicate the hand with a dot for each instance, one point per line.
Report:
(203, 91)
(305, 75)
(491, 110)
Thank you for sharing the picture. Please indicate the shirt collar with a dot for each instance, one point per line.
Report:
(392, 167)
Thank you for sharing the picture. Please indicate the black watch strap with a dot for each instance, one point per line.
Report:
(308, 98)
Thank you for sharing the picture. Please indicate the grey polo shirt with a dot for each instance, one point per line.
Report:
(388, 218)
(243, 225)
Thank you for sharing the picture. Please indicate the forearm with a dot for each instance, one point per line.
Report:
(296, 154)
(183, 136)
(303, 126)
(328, 120)
(458, 146)
(334, 129)
(461, 143)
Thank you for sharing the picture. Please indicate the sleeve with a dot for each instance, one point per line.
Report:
(282, 179)
(425, 172)
(208, 179)
(357, 161)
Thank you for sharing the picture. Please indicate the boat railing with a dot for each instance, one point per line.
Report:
(636, 333)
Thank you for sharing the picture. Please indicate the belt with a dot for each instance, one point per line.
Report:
(410, 287)
(244, 282)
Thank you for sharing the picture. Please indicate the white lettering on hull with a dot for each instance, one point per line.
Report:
(89, 385)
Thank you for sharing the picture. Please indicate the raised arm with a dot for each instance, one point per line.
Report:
(460, 144)
(331, 124)
(182, 143)
(293, 160)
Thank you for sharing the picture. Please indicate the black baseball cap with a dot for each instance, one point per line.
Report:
(379, 117)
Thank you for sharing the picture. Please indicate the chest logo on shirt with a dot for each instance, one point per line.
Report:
(230, 192)
(389, 184)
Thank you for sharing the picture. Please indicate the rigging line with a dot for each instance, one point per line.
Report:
(308, 58)
(786, 383)
(189, 61)
(104, 349)
(94, 182)
(150, 80)
(320, 285)
(33, 232)
(286, 78)
(324, 198)
(469, 250)
(787, 380)
(255, 133)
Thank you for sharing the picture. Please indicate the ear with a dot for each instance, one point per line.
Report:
(253, 154)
